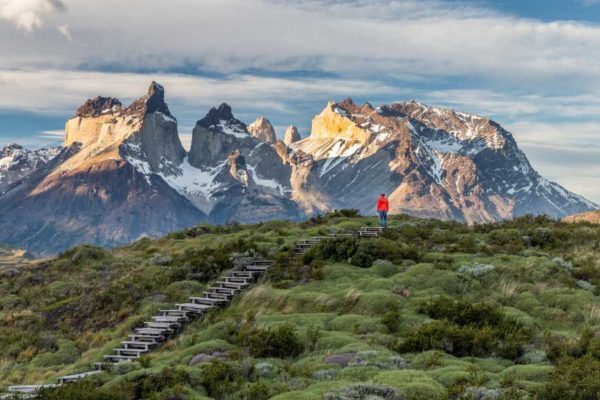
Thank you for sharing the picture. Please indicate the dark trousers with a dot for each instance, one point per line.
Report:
(383, 219)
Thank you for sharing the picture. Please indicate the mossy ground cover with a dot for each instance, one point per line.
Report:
(350, 319)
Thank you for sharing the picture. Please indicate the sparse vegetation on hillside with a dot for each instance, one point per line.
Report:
(431, 310)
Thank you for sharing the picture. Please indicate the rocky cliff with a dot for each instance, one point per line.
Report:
(262, 130)
(432, 162)
(291, 135)
(256, 187)
(105, 186)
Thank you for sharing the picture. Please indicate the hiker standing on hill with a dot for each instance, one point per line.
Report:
(382, 208)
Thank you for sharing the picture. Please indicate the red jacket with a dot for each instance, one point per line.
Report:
(383, 204)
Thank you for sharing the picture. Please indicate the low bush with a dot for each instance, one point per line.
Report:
(281, 342)
(362, 253)
(220, 378)
(364, 391)
(574, 379)
(464, 329)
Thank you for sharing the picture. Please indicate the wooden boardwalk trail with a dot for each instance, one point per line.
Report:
(169, 322)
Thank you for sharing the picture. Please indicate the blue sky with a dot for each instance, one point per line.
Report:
(530, 65)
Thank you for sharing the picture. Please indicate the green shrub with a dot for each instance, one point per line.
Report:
(281, 342)
(220, 378)
(364, 391)
(574, 379)
(462, 329)
(86, 391)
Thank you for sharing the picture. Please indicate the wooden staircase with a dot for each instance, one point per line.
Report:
(370, 232)
(170, 322)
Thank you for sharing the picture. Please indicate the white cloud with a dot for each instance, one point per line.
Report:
(28, 15)
(359, 39)
(65, 30)
(524, 70)
(61, 92)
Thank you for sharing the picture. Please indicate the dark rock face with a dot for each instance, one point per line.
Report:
(152, 102)
(217, 135)
(215, 116)
(97, 106)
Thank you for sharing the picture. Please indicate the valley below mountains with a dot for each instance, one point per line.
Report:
(123, 174)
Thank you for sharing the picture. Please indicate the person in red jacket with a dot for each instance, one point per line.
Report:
(382, 208)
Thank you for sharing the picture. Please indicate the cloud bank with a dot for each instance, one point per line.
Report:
(285, 58)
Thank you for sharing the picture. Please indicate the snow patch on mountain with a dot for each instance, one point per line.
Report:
(268, 183)
(194, 181)
(230, 129)
(17, 162)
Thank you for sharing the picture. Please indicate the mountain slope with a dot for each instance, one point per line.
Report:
(124, 173)
(432, 162)
(593, 217)
(95, 190)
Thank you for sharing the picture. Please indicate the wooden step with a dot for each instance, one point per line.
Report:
(261, 262)
(228, 291)
(128, 344)
(236, 279)
(166, 327)
(197, 308)
(152, 339)
(153, 331)
(233, 285)
(208, 300)
(371, 229)
(116, 358)
(130, 352)
(258, 268)
(76, 377)
(178, 320)
(216, 295)
(244, 274)
(174, 313)
(29, 388)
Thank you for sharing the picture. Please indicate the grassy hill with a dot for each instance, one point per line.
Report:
(431, 310)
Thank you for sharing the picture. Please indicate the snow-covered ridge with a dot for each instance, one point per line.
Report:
(230, 129)
(18, 158)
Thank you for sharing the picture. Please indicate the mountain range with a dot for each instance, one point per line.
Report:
(123, 173)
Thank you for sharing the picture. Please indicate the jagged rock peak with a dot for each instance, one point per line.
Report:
(98, 106)
(291, 135)
(153, 101)
(262, 130)
(11, 147)
(221, 119)
(216, 115)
